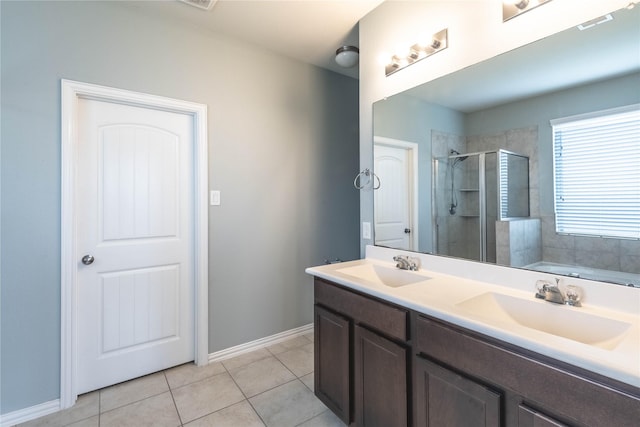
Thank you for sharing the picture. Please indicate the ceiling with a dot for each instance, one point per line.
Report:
(306, 30)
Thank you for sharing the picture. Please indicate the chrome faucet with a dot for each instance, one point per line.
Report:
(406, 262)
(552, 293)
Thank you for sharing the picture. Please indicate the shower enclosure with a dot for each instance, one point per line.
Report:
(471, 192)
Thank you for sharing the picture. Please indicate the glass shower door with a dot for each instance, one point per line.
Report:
(458, 207)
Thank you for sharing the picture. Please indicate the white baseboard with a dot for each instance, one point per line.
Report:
(30, 413)
(37, 411)
(259, 343)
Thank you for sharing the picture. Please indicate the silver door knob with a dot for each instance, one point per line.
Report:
(88, 259)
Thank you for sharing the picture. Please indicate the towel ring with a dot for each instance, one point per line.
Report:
(357, 182)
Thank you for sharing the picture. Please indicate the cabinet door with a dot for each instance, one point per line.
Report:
(380, 370)
(444, 398)
(331, 362)
(528, 417)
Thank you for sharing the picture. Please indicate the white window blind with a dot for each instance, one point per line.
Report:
(503, 158)
(597, 173)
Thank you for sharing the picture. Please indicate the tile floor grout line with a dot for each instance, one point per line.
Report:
(132, 380)
(173, 399)
(246, 399)
(257, 413)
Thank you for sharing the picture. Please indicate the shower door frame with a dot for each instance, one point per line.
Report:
(482, 204)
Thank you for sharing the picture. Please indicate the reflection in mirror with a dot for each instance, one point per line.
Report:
(472, 194)
(466, 161)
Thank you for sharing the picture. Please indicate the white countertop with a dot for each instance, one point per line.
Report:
(439, 295)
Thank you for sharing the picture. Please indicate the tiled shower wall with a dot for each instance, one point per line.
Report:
(594, 252)
(518, 242)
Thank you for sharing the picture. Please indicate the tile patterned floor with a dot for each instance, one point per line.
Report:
(268, 387)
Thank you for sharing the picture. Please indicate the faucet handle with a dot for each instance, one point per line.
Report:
(573, 296)
(406, 262)
(541, 288)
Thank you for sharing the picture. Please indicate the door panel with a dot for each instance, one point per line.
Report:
(139, 307)
(138, 183)
(444, 398)
(392, 209)
(528, 417)
(380, 367)
(135, 217)
(331, 361)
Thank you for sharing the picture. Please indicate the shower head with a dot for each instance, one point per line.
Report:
(457, 160)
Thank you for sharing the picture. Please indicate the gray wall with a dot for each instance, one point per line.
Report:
(283, 143)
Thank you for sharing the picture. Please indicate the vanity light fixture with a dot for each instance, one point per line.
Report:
(347, 56)
(439, 41)
(513, 8)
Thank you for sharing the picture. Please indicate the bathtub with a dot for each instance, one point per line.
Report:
(627, 279)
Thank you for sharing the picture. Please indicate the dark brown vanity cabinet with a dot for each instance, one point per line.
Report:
(361, 357)
(332, 372)
(528, 417)
(529, 389)
(380, 371)
(444, 398)
(371, 371)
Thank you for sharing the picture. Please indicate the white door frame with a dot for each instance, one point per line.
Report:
(71, 93)
(412, 147)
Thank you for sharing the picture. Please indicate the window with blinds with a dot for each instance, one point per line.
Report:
(597, 173)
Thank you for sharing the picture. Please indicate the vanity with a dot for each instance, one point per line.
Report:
(430, 348)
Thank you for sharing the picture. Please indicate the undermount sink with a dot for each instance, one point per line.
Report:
(381, 275)
(547, 317)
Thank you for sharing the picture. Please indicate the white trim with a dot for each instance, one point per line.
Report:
(413, 148)
(259, 343)
(594, 114)
(72, 91)
(30, 413)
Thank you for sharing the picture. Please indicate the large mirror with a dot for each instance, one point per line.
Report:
(453, 152)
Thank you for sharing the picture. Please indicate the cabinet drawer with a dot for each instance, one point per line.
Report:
(385, 318)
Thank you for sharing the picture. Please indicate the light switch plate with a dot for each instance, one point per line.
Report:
(214, 197)
(366, 230)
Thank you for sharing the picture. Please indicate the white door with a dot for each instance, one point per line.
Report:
(135, 205)
(392, 201)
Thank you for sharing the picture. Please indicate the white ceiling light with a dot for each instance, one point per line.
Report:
(347, 56)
